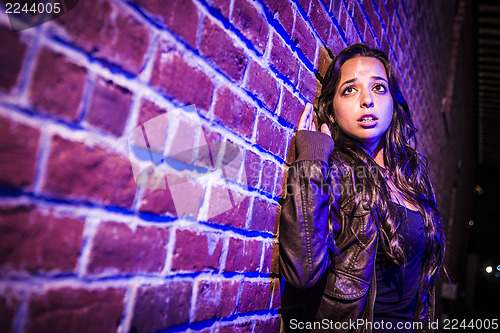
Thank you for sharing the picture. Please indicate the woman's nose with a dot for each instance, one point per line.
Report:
(366, 99)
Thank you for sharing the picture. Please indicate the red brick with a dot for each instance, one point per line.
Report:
(280, 179)
(196, 251)
(8, 308)
(116, 247)
(336, 6)
(236, 328)
(255, 296)
(236, 216)
(18, 153)
(214, 39)
(163, 306)
(57, 86)
(265, 326)
(173, 76)
(305, 5)
(267, 178)
(307, 84)
(284, 60)
(283, 12)
(359, 18)
(320, 20)
(76, 310)
(11, 58)
(180, 16)
(335, 41)
(271, 136)
(158, 202)
(263, 85)
(106, 31)
(76, 171)
(215, 299)
(252, 168)
(368, 38)
(373, 17)
(234, 112)
(268, 257)
(36, 242)
(221, 5)
(243, 255)
(149, 110)
(291, 108)
(109, 107)
(303, 38)
(246, 19)
(263, 216)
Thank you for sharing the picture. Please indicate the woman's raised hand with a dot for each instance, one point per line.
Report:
(306, 121)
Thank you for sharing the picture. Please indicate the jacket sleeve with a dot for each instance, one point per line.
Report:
(304, 224)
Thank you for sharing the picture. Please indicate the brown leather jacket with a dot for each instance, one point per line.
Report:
(328, 244)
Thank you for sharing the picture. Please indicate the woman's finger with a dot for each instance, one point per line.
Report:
(325, 129)
(306, 118)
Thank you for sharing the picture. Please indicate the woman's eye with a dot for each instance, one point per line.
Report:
(348, 91)
(380, 88)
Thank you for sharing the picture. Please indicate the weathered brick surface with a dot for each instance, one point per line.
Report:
(32, 241)
(160, 307)
(234, 112)
(76, 310)
(263, 216)
(291, 108)
(271, 136)
(234, 216)
(18, 153)
(181, 16)
(283, 12)
(320, 20)
(232, 61)
(94, 174)
(263, 85)
(243, 255)
(255, 296)
(284, 60)
(264, 326)
(268, 176)
(303, 38)
(307, 85)
(236, 328)
(174, 77)
(148, 110)
(11, 58)
(49, 83)
(252, 168)
(252, 25)
(118, 248)
(215, 299)
(106, 31)
(109, 107)
(196, 251)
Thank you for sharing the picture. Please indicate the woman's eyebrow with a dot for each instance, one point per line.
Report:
(378, 78)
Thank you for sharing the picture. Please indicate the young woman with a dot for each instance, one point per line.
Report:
(361, 240)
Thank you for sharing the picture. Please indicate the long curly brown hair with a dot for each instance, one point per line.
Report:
(405, 166)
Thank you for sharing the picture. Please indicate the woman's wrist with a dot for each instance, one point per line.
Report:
(313, 145)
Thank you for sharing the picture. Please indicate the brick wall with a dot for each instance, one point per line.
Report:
(83, 248)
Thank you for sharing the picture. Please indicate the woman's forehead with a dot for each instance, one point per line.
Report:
(362, 66)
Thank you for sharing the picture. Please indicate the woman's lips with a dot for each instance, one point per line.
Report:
(367, 120)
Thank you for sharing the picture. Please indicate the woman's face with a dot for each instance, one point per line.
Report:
(363, 104)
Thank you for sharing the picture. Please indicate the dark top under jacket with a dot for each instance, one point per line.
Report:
(397, 286)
